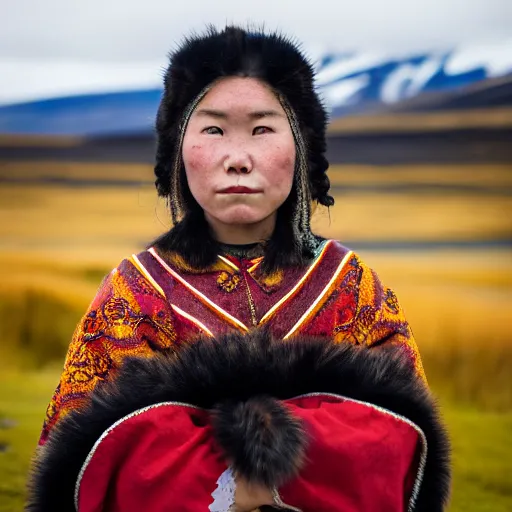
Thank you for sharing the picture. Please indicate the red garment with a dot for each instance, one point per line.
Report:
(360, 459)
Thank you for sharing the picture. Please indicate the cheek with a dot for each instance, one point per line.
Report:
(195, 158)
(199, 167)
(280, 165)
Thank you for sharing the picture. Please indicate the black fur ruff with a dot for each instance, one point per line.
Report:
(239, 377)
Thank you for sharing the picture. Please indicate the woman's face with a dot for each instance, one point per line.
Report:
(239, 153)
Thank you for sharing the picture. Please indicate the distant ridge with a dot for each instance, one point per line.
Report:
(95, 99)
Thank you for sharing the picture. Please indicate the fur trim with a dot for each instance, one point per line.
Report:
(261, 439)
(236, 369)
(271, 57)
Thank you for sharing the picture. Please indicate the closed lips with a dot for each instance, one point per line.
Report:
(239, 190)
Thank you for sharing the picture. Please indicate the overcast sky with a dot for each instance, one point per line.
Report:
(128, 30)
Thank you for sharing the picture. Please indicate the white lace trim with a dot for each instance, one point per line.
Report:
(224, 495)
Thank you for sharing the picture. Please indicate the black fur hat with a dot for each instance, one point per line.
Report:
(196, 65)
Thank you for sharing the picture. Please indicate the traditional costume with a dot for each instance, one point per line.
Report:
(149, 305)
(294, 341)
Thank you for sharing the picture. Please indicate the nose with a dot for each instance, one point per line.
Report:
(239, 163)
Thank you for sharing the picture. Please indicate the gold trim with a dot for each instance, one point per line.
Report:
(230, 263)
(322, 293)
(196, 292)
(142, 269)
(294, 290)
(194, 320)
(257, 261)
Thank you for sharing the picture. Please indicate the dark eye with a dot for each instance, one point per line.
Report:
(213, 130)
(260, 130)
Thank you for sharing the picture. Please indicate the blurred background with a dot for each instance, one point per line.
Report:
(420, 145)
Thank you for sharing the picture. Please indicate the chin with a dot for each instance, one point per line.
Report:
(241, 214)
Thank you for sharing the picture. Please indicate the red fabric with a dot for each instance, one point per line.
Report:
(359, 459)
(162, 459)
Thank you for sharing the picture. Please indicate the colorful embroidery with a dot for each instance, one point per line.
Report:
(86, 363)
(228, 282)
(127, 317)
(391, 301)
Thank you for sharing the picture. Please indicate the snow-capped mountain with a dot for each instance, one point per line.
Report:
(358, 82)
(77, 98)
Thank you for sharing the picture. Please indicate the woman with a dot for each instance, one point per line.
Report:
(240, 159)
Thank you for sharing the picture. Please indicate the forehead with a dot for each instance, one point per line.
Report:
(240, 92)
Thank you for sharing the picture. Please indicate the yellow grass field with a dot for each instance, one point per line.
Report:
(58, 240)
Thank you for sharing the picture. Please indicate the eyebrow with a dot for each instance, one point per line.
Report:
(220, 114)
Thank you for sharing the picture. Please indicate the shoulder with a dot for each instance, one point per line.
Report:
(129, 280)
(134, 267)
(123, 271)
(362, 275)
(346, 256)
